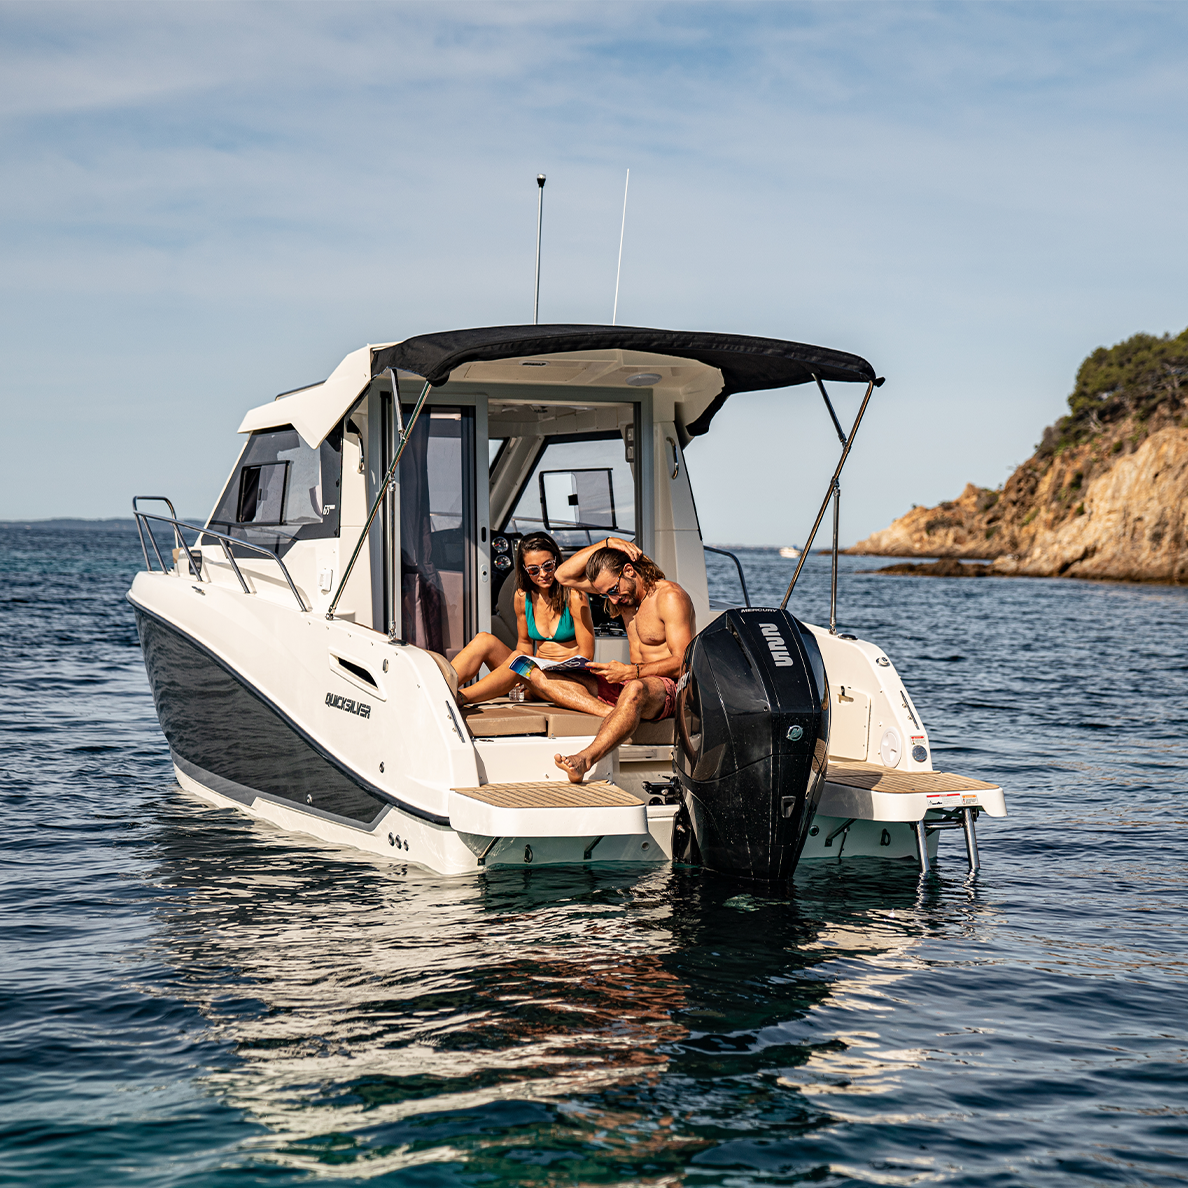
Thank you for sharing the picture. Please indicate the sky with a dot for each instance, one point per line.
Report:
(206, 204)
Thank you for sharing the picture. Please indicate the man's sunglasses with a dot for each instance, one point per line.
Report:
(613, 592)
(536, 570)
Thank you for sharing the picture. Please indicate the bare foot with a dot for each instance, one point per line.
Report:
(574, 766)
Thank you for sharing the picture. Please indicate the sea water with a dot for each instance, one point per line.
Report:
(191, 998)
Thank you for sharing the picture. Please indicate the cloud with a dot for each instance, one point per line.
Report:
(206, 204)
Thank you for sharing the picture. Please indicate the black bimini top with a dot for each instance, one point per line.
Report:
(747, 364)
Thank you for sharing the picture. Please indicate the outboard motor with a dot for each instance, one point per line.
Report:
(752, 737)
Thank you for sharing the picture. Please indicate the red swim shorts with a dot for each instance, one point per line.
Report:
(608, 694)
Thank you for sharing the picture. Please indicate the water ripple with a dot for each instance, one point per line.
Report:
(193, 998)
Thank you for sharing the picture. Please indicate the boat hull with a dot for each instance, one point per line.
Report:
(228, 736)
(235, 745)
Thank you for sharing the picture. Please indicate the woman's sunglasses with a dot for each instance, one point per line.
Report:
(536, 570)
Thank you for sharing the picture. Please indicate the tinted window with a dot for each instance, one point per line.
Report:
(282, 490)
(262, 493)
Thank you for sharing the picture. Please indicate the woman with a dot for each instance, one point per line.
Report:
(552, 622)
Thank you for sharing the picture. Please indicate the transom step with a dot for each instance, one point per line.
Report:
(547, 808)
(551, 794)
(876, 778)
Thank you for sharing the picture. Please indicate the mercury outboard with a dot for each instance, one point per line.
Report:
(752, 735)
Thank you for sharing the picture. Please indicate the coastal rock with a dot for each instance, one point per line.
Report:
(945, 567)
(1104, 496)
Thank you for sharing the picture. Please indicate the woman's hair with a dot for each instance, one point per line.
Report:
(613, 560)
(541, 542)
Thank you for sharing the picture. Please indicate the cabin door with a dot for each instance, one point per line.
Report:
(433, 521)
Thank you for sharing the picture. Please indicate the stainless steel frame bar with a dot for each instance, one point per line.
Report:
(968, 816)
(833, 573)
(922, 845)
(841, 433)
(829, 494)
(963, 819)
(235, 566)
(844, 827)
(221, 537)
(140, 532)
(737, 565)
(405, 434)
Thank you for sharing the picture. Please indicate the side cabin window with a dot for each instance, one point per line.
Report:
(282, 490)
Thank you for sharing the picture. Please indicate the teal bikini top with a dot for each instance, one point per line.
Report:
(564, 633)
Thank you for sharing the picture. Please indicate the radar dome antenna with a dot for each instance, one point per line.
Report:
(540, 183)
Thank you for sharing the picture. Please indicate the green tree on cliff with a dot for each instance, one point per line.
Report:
(1132, 378)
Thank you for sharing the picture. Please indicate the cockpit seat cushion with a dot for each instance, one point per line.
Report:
(654, 734)
(447, 671)
(502, 718)
(498, 719)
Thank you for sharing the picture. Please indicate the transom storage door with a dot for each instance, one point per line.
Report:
(437, 515)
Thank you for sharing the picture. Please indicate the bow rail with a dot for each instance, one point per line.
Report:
(143, 526)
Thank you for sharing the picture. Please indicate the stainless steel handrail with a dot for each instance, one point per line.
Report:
(223, 539)
(737, 565)
(143, 547)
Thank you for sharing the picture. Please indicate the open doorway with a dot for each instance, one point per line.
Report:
(436, 526)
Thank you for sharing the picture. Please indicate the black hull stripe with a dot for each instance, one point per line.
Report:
(306, 737)
(244, 795)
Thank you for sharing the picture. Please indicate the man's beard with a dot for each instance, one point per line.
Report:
(630, 601)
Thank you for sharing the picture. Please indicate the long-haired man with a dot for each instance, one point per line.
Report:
(658, 617)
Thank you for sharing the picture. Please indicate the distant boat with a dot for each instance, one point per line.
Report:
(789, 551)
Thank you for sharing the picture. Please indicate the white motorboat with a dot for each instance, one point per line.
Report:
(298, 645)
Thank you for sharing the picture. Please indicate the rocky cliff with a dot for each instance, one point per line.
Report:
(1104, 495)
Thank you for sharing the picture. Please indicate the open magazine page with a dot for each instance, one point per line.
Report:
(522, 665)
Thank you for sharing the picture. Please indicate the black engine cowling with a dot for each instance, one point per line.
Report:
(752, 730)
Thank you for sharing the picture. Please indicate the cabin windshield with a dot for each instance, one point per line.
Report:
(566, 468)
(580, 490)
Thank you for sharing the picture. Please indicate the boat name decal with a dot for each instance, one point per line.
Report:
(779, 649)
(337, 701)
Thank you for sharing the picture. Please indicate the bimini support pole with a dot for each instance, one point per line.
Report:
(833, 575)
(405, 434)
(829, 494)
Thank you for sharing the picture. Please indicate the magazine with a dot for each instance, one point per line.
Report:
(522, 665)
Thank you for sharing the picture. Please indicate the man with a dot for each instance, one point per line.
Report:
(658, 616)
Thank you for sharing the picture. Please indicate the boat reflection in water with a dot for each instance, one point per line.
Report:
(381, 1017)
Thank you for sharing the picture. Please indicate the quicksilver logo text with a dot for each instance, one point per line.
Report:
(337, 701)
(779, 649)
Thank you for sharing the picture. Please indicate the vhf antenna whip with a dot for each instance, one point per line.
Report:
(619, 270)
(540, 181)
